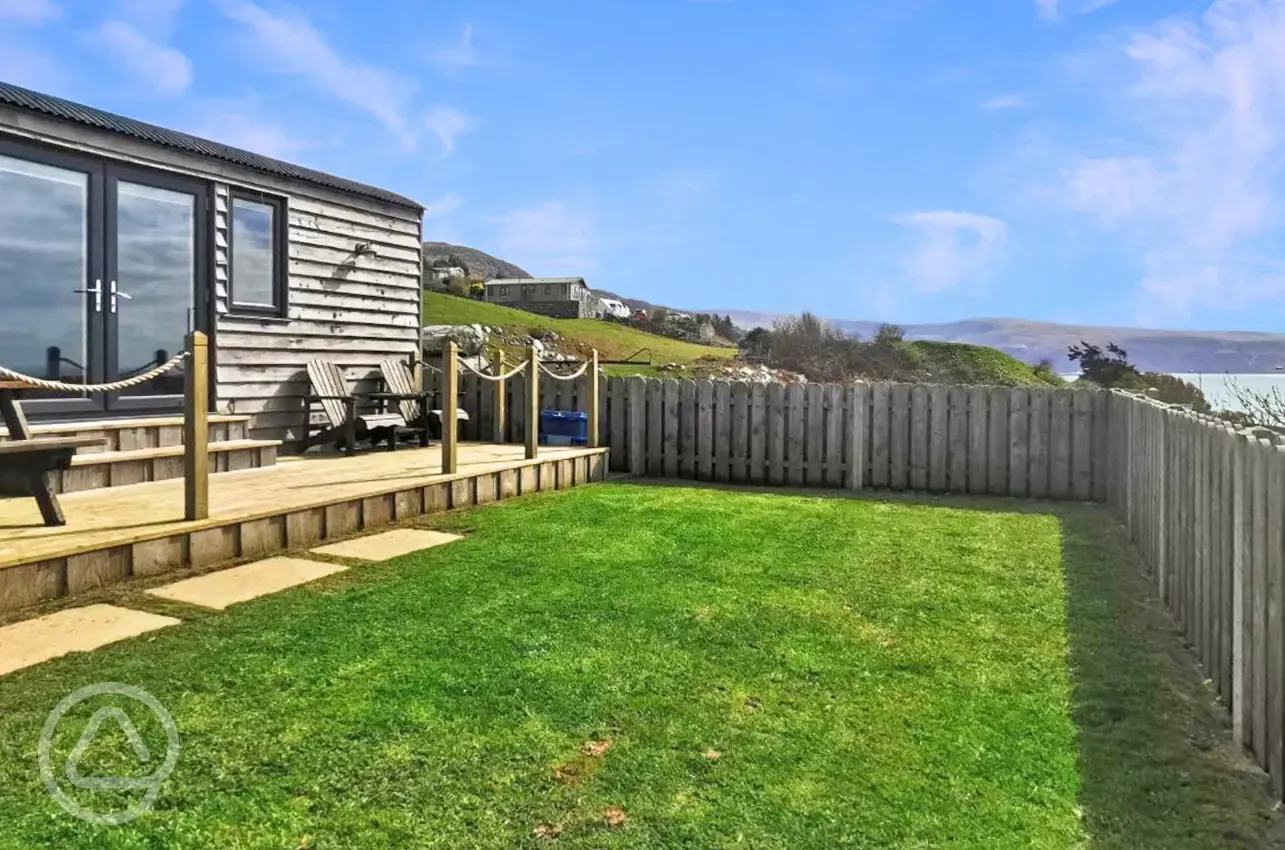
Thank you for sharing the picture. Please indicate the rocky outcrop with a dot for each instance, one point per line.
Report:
(476, 264)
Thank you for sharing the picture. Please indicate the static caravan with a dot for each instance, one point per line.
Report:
(118, 237)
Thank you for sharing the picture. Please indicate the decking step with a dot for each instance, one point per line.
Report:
(125, 434)
(116, 469)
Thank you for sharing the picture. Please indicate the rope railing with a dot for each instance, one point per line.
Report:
(502, 377)
(114, 386)
(571, 377)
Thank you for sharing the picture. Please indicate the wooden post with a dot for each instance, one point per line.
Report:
(450, 409)
(501, 398)
(593, 401)
(196, 429)
(532, 403)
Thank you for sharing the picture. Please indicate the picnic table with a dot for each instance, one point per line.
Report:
(36, 457)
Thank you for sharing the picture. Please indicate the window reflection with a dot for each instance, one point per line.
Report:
(155, 266)
(43, 260)
(252, 282)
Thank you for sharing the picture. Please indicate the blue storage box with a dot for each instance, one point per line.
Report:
(564, 428)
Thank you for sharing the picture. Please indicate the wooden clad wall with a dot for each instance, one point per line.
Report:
(1205, 505)
(354, 311)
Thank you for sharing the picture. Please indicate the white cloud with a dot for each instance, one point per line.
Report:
(447, 123)
(242, 129)
(1200, 182)
(1051, 10)
(1006, 101)
(953, 247)
(294, 47)
(445, 205)
(164, 69)
(456, 56)
(156, 16)
(555, 237)
(29, 11)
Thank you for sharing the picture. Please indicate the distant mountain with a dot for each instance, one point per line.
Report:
(477, 264)
(1031, 342)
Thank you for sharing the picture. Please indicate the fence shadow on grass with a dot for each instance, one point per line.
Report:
(1158, 768)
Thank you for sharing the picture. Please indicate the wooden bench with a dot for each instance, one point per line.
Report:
(35, 458)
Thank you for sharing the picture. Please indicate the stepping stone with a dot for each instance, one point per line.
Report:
(74, 630)
(250, 581)
(390, 544)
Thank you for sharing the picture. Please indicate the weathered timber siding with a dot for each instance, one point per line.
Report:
(352, 310)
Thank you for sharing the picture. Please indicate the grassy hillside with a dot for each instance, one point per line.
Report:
(928, 362)
(960, 363)
(614, 342)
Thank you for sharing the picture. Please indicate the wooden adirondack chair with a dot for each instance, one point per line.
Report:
(401, 382)
(347, 424)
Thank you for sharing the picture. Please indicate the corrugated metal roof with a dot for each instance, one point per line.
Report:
(509, 280)
(15, 96)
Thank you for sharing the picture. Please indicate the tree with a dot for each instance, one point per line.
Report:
(1110, 369)
(756, 343)
(1263, 409)
(889, 334)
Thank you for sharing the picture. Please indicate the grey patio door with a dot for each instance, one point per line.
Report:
(102, 274)
(155, 225)
(51, 251)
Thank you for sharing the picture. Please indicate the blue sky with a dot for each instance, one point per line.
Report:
(919, 160)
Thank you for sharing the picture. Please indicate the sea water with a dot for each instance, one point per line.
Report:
(1218, 388)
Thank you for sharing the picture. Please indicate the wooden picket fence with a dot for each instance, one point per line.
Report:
(1036, 443)
(1205, 504)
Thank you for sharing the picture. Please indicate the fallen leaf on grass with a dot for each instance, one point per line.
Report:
(712, 755)
(569, 773)
(596, 749)
(547, 832)
(615, 816)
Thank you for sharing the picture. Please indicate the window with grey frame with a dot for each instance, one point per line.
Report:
(257, 239)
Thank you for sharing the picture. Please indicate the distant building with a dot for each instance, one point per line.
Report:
(614, 308)
(559, 297)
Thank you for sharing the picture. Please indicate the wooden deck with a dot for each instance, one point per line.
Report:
(120, 532)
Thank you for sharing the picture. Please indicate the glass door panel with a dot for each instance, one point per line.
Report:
(50, 280)
(151, 288)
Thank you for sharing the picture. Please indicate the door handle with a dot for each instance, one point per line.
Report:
(115, 295)
(97, 292)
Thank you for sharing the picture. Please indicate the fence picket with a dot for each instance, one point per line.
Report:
(670, 439)
(687, 415)
(858, 397)
(776, 434)
(834, 417)
(740, 409)
(1060, 444)
(957, 456)
(938, 438)
(814, 429)
(704, 430)
(795, 435)
(722, 430)
(757, 472)
(978, 440)
(880, 414)
(997, 447)
(919, 437)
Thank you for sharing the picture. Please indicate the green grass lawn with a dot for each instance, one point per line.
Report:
(613, 341)
(622, 666)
